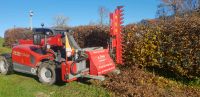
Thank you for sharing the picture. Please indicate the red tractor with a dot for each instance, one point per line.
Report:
(53, 54)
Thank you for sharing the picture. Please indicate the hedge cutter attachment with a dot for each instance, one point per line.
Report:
(115, 46)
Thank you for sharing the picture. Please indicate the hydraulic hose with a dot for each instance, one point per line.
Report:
(72, 66)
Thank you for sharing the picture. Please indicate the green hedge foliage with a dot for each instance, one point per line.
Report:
(172, 44)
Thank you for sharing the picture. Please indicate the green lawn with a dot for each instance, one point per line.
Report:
(17, 85)
(20, 85)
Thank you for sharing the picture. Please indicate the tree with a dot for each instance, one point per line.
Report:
(162, 12)
(191, 5)
(103, 13)
(60, 21)
(177, 7)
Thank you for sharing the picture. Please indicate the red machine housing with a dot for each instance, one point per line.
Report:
(53, 41)
(100, 62)
(26, 55)
(65, 69)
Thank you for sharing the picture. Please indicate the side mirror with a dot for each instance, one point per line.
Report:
(37, 39)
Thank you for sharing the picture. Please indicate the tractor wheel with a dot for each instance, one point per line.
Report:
(5, 67)
(47, 73)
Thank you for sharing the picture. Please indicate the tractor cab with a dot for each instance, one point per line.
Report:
(50, 35)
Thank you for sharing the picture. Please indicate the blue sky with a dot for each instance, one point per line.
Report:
(80, 12)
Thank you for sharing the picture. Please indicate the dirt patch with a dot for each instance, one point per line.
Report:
(135, 82)
(41, 94)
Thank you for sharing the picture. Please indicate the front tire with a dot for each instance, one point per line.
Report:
(47, 73)
(5, 67)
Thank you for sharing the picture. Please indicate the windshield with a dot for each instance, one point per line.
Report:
(42, 31)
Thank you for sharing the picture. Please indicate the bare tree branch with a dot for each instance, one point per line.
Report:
(103, 13)
(60, 21)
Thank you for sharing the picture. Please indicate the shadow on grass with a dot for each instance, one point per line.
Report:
(80, 80)
(173, 76)
(84, 81)
(26, 75)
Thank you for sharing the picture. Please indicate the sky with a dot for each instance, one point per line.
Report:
(80, 12)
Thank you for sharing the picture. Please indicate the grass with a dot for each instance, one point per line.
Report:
(17, 85)
(22, 85)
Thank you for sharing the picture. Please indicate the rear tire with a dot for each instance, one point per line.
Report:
(5, 67)
(47, 73)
